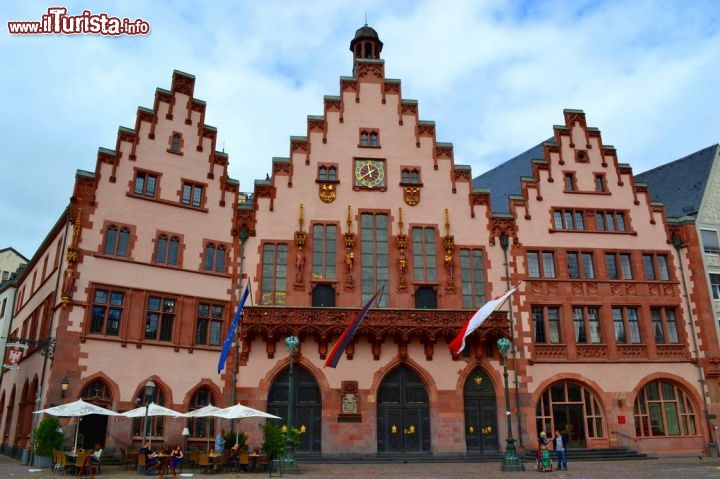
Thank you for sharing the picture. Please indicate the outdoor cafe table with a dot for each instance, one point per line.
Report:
(164, 461)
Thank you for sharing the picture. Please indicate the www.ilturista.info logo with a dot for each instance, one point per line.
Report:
(58, 22)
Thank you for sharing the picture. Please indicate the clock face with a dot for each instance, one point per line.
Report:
(369, 173)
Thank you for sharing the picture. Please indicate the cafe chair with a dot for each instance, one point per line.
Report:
(84, 467)
(262, 462)
(244, 462)
(60, 463)
(142, 465)
(204, 462)
(192, 458)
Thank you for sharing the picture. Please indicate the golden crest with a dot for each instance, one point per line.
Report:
(327, 192)
(411, 195)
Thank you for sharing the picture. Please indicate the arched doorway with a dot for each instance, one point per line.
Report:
(403, 422)
(481, 431)
(92, 429)
(307, 407)
(572, 409)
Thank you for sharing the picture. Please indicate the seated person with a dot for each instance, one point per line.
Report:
(235, 450)
(176, 457)
(151, 460)
(97, 452)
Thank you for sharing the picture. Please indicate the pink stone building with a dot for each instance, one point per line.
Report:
(142, 274)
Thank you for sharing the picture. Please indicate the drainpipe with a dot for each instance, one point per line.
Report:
(677, 243)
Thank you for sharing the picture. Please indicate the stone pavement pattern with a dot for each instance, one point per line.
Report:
(665, 468)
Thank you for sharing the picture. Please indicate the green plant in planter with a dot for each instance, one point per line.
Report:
(48, 436)
(276, 439)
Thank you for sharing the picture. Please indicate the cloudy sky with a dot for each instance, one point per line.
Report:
(495, 76)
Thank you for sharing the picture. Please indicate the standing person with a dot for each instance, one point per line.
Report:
(560, 451)
(220, 441)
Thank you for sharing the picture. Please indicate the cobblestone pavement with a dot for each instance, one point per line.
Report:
(664, 468)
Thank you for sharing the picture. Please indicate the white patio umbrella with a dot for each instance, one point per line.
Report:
(238, 411)
(205, 411)
(151, 410)
(77, 409)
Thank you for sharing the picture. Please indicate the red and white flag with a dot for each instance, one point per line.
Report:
(458, 344)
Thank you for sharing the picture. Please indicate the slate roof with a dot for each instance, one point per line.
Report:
(680, 185)
(504, 179)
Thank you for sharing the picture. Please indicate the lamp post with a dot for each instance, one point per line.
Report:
(511, 461)
(292, 343)
(64, 385)
(185, 434)
(504, 244)
(149, 394)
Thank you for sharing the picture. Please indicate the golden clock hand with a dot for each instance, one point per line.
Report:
(371, 170)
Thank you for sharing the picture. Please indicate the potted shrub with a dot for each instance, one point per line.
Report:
(47, 437)
(276, 440)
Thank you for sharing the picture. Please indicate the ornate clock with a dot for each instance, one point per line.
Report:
(369, 173)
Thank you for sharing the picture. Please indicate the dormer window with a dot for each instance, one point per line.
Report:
(369, 138)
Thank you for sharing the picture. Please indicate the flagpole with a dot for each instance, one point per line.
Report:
(243, 234)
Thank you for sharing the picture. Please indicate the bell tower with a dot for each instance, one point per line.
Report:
(366, 45)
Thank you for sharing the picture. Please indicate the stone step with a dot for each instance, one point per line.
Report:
(602, 454)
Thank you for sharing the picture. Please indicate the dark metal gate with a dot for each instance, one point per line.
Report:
(403, 414)
(307, 407)
(481, 434)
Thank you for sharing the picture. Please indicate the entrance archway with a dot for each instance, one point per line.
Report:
(481, 431)
(572, 409)
(307, 407)
(92, 429)
(403, 417)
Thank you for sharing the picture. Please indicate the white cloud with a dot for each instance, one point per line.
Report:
(493, 75)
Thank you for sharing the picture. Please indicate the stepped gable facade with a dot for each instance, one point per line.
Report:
(141, 277)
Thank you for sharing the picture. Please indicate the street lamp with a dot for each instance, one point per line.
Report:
(511, 461)
(185, 434)
(64, 385)
(292, 343)
(504, 244)
(149, 394)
